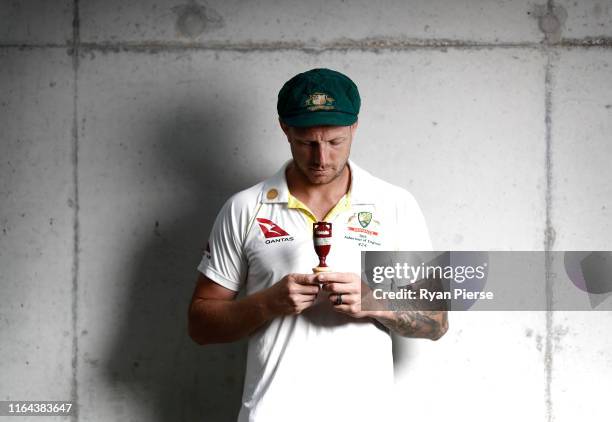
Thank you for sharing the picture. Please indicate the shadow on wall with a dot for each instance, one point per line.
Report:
(153, 364)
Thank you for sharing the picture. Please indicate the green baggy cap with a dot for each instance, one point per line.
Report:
(319, 97)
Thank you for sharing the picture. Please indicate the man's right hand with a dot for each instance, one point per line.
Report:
(215, 316)
(292, 294)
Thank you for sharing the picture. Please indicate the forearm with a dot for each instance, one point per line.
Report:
(421, 324)
(224, 321)
(417, 318)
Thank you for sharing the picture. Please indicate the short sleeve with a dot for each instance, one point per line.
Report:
(224, 259)
(412, 233)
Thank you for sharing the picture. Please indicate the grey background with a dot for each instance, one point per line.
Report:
(125, 125)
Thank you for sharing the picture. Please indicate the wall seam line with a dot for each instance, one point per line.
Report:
(74, 394)
(549, 235)
(363, 44)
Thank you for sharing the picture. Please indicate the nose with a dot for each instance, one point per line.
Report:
(320, 154)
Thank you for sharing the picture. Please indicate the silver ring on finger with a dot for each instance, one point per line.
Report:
(339, 299)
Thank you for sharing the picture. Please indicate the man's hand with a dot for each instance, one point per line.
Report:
(431, 324)
(292, 294)
(348, 285)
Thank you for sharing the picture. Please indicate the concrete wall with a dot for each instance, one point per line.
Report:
(125, 125)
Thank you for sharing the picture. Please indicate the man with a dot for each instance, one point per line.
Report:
(313, 353)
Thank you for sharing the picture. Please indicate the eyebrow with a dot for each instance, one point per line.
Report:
(312, 140)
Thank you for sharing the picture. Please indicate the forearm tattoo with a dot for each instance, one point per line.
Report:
(413, 320)
(426, 324)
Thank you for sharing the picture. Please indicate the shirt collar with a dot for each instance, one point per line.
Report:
(361, 193)
(276, 191)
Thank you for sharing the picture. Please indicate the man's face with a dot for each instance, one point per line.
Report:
(320, 153)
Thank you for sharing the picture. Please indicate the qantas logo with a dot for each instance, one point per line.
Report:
(272, 232)
(270, 229)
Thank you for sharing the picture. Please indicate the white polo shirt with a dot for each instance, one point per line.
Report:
(321, 364)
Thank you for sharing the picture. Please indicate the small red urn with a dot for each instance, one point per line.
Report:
(321, 236)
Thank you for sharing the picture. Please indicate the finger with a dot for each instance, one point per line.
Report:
(346, 299)
(309, 290)
(305, 279)
(341, 288)
(334, 288)
(334, 277)
(305, 300)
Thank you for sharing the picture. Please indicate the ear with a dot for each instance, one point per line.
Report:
(354, 127)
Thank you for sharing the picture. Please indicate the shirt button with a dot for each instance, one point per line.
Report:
(272, 194)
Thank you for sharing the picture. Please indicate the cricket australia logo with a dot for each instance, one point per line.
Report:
(272, 231)
(319, 101)
(364, 218)
(363, 229)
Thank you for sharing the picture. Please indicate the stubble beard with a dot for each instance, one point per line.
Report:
(317, 180)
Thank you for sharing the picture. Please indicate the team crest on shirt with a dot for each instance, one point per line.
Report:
(273, 232)
(364, 229)
(365, 218)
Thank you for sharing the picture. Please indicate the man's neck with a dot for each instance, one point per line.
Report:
(320, 198)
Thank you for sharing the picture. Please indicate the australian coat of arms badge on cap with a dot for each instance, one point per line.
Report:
(319, 101)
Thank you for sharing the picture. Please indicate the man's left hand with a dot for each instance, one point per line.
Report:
(348, 285)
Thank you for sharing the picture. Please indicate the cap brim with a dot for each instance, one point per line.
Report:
(320, 118)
